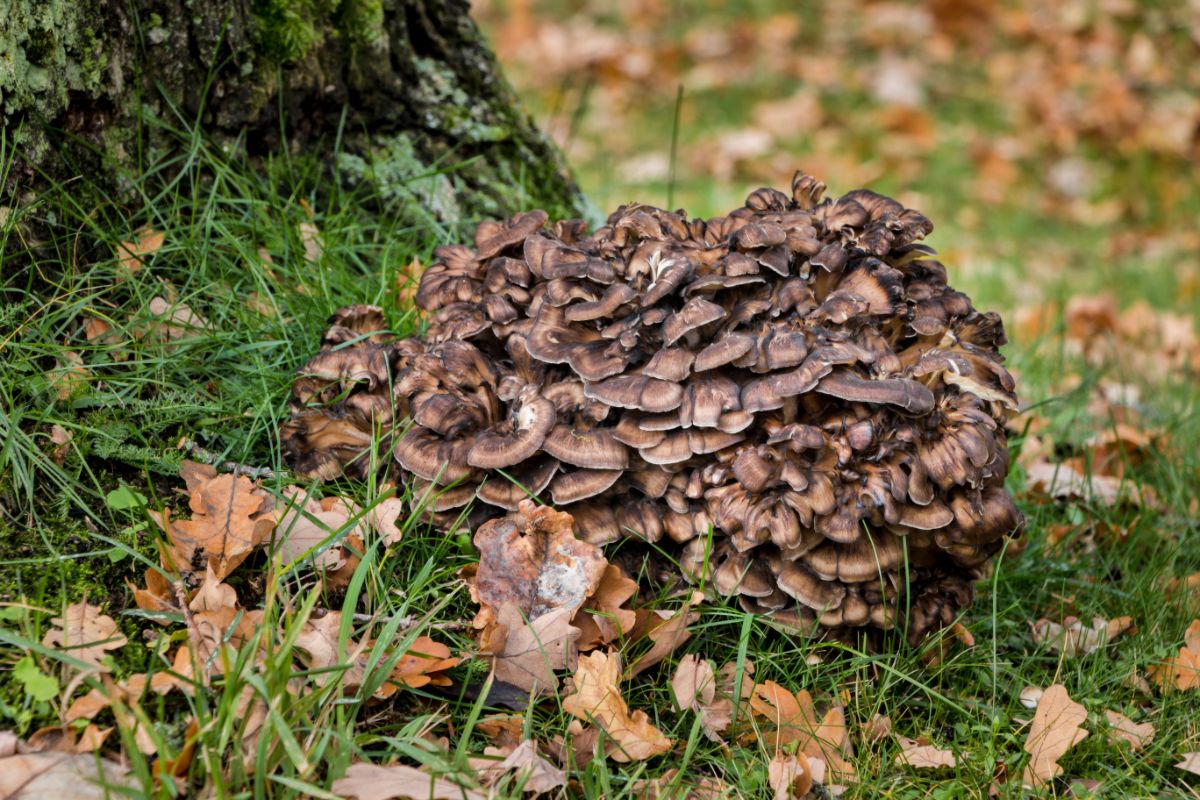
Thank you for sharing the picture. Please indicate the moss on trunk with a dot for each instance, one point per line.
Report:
(405, 88)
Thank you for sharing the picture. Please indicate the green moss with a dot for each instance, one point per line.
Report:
(48, 49)
(288, 29)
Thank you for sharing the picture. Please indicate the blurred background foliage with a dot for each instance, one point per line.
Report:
(1053, 144)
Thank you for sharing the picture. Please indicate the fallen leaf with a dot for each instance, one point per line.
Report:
(35, 776)
(541, 569)
(1072, 638)
(923, 755)
(382, 518)
(424, 663)
(878, 728)
(1190, 763)
(373, 782)
(319, 639)
(534, 773)
(672, 786)
(1061, 480)
(597, 699)
(69, 375)
(666, 631)
(532, 651)
(131, 255)
(604, 617)
(790, 776)
(695, 688)
(505, 730)
(1180, 671)
(173, 320)
(230, 517)
(310, 239)
(83, 632)
(1057, 727)
(1122, 729)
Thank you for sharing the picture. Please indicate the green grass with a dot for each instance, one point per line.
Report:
(62, 538)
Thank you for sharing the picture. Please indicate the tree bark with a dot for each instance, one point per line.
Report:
(401, 94)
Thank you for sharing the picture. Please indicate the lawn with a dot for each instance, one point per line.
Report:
(133, 338)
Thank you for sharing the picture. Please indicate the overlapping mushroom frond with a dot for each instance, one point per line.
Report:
(790, 398)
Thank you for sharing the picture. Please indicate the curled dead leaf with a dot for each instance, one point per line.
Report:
(596, 698)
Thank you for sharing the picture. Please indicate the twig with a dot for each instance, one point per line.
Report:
(207, 457)
(411, 621)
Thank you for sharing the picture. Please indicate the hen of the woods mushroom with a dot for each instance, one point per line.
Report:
(789, 400)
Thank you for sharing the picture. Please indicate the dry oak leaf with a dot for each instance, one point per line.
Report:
(793, 718)
(1072, 637)
(533, 650)
(172, 320)
(605, 618)
(230, 517)
(63, 776)
(319, 640)
(83, 632)
(1062, 480)
(1190, 763)
(535, 774)
(597, 698)
(665, 630)
(540, 569)
(670, 786)
(311, 523)
(922, 755)
(373, 782)
(1057, 727)
(505, 730)
(695, 688)
(131, 254)
(790, 776)
(1122, 729)
(1180, 671)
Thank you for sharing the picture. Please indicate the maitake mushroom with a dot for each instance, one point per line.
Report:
(790, 400)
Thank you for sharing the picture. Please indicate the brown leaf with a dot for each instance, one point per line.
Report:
(173, 320)
(672, 786)
(597, 698)
(230, 517)
(85, 633)
(310, 522)
(543, 569)
(1057, 727)
(505, 730)
(793, 718)
(319, 639)
(533, 650)
(1062, 480)
(131, 255)
(1122, 729)
(1190, 763)
(604, 617)
(1072, 638)
(69, 376)
(537, 775)
(667, 631)
(790, 776)
(1180, 671)
(382, 518)
(35, 776)
(695, 688)
(877, 728)
(373, 782)
(212, 595)
(423, 663)
(310, 238)
(923, 755)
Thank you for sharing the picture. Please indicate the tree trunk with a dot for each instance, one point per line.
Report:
(402, 94)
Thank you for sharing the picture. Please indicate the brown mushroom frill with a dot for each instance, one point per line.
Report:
(789, 399)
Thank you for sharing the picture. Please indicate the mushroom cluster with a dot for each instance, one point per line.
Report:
(789, 400)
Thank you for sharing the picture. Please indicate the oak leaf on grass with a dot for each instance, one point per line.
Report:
(86, 633)
(597, 699)
(1057, 727)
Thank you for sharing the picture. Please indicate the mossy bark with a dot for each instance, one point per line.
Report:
(402, 93)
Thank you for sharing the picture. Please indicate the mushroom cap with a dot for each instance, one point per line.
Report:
(497, 449)
(591, 448)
